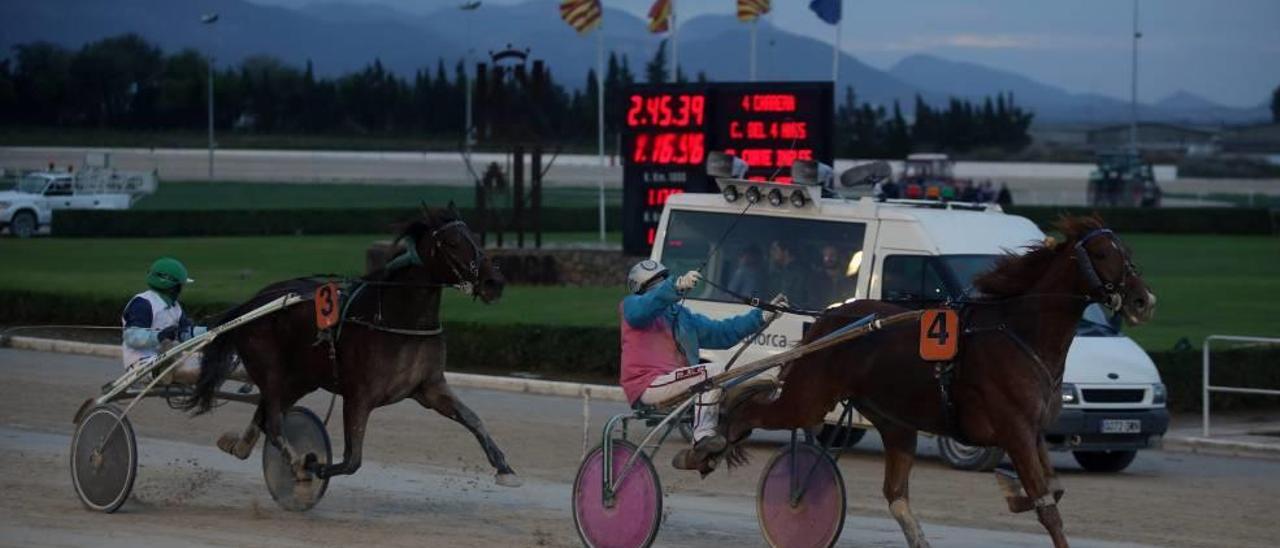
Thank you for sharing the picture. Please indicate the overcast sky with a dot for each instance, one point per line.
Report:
(1225, 50)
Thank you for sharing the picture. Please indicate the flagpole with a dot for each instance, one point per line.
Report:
(753, 48)
(600, 120)
(675, 43)
(835, 55)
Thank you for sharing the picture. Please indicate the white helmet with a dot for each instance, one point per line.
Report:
(643, 274)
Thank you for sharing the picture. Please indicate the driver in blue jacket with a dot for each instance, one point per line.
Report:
(154, 318)
(660, 344)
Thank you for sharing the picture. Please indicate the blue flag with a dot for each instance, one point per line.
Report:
(827, 10)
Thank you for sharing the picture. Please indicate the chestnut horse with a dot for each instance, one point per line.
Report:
(389, 346)
(1006, 383)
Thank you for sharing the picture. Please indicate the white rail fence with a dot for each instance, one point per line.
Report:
(1207, 388)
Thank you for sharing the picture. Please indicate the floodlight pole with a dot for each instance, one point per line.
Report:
(209, 19)
(467, 134)
(600, 121)
(1133, 85)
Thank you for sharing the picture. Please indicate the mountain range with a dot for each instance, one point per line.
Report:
(340, 37)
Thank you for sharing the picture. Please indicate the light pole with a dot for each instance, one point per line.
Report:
(1133, 85)
(210, 19)
(468, 7)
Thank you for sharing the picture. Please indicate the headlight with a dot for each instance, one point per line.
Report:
(1069, 394)
(1158, 393)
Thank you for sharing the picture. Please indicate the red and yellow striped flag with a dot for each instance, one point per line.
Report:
(660, 16)
(582, 15)
(750, 10)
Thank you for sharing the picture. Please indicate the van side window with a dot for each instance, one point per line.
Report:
(815, 263)
(912, 279)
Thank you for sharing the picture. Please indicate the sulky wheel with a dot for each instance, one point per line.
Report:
(307, 436)
(632, 518)
(806, 512)
(104, 458)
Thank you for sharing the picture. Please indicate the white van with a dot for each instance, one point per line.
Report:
(824, 251)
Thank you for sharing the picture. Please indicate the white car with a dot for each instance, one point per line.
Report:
(915, 253)
(24, 210)
(30, 205)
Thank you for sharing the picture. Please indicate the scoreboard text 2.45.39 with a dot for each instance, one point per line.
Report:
(668, 130)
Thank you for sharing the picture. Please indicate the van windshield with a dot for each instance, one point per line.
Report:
(815, 263)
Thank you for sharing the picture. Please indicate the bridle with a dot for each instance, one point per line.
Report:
(1105, 292)
(468, 274)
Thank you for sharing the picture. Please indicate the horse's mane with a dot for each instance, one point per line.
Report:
(430, 220)
(1015, 274)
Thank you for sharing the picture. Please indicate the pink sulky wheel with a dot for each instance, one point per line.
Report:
(817, 516)
(632, 520)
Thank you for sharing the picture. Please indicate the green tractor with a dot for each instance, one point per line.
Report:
(1123, 179)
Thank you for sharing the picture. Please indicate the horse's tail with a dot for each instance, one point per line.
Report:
(215, 365)
(216, 362)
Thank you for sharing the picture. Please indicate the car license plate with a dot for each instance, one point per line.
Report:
(1121, 426)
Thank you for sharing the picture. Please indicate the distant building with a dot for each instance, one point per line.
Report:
(1152, 137)
(1260, 139)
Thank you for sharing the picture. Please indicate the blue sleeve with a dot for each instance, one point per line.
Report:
(640, 310)
(137, 313)
(718, 334)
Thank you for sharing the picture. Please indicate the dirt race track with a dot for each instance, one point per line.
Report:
(425, 483)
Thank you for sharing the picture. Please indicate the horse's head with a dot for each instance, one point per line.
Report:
(452, 255)
(1107, 270)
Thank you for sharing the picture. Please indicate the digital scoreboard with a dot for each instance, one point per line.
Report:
(668, 130)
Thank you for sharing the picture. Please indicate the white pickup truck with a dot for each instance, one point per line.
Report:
(904, 251)
(30, 205)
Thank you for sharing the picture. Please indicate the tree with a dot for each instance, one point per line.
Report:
(1275, 105)
(655, 72)
(115, 80)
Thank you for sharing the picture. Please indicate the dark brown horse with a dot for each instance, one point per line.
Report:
(389, 346)
(1007, 376)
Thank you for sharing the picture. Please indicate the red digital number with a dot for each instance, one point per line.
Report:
(682, 118)
(637, 102)
(659, 196)
(651, 236)
(696, 107)
(638, 154)
(664, 111)
(653, 108)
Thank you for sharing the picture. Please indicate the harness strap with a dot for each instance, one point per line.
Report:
(397, 330)
(755, 302)
(1042, 368)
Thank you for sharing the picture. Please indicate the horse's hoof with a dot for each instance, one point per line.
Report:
(231, 444)
(508, 480)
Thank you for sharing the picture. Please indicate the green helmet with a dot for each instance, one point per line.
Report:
(167, 273)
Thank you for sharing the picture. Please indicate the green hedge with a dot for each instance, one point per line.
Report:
(593, 352)
(1166, 220)
(564, 352)
(169, 223)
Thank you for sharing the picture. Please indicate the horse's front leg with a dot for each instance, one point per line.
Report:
(1051, 475)
(438, 396)
(355, 416)
(1035, 480)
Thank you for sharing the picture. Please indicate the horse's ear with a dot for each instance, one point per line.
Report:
(453, 209)
(426, 212)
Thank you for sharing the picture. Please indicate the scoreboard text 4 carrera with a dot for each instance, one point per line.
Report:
(668, 130)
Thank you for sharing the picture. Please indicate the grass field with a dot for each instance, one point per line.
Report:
(1205, 284)
(248, 195)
